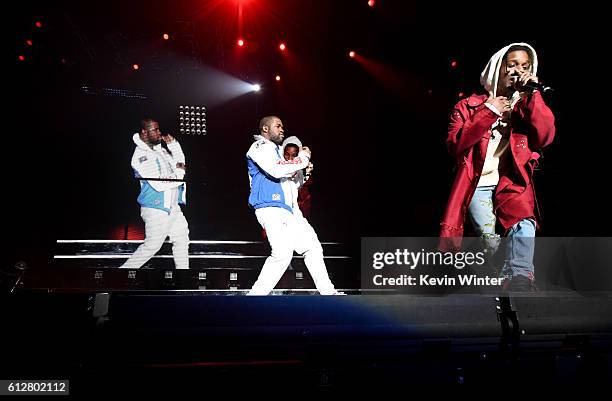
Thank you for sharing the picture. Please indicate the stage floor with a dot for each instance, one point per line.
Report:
(106, 340)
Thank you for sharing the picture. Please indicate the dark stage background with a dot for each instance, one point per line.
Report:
(376, 124)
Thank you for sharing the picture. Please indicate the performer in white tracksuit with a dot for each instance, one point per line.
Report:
(159, 200)
(274, 184)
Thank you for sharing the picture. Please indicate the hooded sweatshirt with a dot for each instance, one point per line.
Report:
(297, 180)
(500, 131)
(270, 175)
(156, 162)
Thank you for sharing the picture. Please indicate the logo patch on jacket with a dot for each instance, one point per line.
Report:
(142, 159)
(276, 197)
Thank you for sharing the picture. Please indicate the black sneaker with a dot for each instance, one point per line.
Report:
(520, 284)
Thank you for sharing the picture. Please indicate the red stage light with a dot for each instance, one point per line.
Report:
(352, 54)
(371, 3)
(460, 94)
(453, 63)
(166, 36)
(21, 58)
(38, 24)
(29, 42)
(277, 78)
(240, 42)
(136, 66)
(282, 46)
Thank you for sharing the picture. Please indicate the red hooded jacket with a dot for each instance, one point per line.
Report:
(532, 128)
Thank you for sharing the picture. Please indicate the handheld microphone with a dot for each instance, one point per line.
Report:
(539, 86)
(165, 145)
(532, 84)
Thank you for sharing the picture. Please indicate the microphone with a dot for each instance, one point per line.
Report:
(531, 84)
(539, 86)
(165, 145)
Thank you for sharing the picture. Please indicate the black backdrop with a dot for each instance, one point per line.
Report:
(381, 165)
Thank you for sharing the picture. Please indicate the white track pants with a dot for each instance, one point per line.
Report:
(158, 226)
(287, 233)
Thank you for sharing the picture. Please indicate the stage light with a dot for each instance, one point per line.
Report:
(371, 3)
(277, 78)
(352, 54)
(453, 64)
(256, 87)
(29, 42)
(136, 66)
(166, 36)
(282, 46)
(169, 279)
(38, 24)
(192, 120)
(460, 94)
(21, 58)
(240, 42)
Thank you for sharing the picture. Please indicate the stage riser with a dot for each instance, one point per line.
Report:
(127, 248)
(231, 265)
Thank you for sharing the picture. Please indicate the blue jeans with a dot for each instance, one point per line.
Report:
(521, 236)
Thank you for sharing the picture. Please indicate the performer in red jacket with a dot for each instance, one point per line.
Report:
(495, 140)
